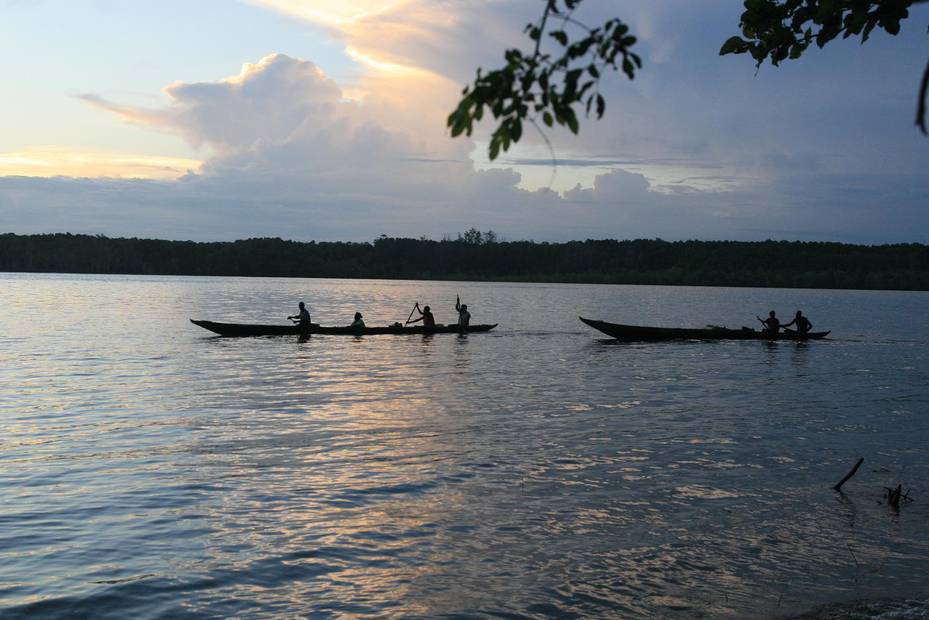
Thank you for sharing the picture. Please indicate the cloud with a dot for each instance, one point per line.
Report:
(61, 161)
(408, 201)
(696, 146)
(274, 100)
(286, 142)
(616, 186)
(336, 12)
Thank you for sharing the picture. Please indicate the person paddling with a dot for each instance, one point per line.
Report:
(771, 324)
(303, 318)
(799, 321)
(425, 315)
(464, 317)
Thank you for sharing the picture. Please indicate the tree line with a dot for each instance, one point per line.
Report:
(476, 255)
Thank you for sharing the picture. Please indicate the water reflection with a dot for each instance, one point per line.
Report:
(535, 472)
(850, 507)
(800, 355)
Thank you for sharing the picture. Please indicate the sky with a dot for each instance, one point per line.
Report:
(325, 120)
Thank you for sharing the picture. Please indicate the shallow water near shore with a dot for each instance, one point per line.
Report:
(151, 469)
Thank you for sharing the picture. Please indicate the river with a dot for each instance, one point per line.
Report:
(151, 469)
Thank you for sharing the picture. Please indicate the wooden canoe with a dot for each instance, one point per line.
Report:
(240, 329)
(636, 333)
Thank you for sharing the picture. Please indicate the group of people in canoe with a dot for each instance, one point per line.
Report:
(302, 318)
(773, 329)
(773, 325)
(425, 315)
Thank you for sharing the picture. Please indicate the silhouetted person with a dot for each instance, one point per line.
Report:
(802, 323)
(302, 319)
(464, 317)
(425, 315)
(359, 321)
(771, 324)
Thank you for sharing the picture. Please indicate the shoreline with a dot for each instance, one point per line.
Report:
(649, 262)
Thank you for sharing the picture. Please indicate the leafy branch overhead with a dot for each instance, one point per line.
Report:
(552, 85)
(547, 84)
(778, 30)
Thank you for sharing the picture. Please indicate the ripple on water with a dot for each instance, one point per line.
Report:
(533, 472)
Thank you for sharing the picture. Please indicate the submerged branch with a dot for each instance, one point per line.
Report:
(854, 470)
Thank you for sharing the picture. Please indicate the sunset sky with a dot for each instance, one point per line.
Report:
(325, 119)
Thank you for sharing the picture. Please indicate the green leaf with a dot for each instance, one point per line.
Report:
(560, 36)
(571, 119)
(628, 69)
(494, 148)
(733, 45)
(457, 121)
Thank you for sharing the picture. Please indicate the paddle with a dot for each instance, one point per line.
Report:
(411, 313)
(765, 327)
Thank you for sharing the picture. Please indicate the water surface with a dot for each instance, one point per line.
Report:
(150, 469)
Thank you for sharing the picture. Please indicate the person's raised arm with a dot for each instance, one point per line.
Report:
(457, 303)
(410, 318)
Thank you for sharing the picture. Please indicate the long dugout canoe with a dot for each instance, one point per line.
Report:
(242, 329)
(635, 333)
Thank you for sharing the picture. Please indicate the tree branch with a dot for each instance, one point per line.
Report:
(921, 105)
(549, 86)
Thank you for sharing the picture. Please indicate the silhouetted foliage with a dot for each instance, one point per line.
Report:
(778, 30)
(541, 83)
(538, 84)
(481, 256)
(476, 237)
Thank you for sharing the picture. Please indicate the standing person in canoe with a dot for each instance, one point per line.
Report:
(799, 321)
(302, 318)
(464, 317)
(772, 324)
(425, 315)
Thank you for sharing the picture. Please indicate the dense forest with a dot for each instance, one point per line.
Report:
(474, 255)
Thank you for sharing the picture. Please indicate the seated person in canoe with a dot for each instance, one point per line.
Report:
(358, 322)
(425, 315)
(802, 324)
(303, 318)
(464, 317)
(772, 324)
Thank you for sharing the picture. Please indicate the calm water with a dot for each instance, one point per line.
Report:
(149, 469)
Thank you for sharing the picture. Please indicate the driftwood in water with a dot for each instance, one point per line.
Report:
(895, 496)
(838, 486)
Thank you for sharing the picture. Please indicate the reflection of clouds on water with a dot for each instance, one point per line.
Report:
(531, 471)
(699, 492)
(623, 405)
